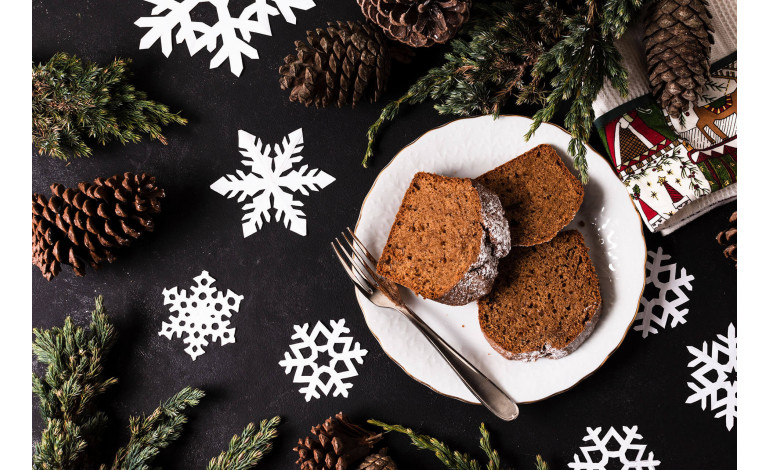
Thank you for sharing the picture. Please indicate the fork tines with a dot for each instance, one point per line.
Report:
(360, 264)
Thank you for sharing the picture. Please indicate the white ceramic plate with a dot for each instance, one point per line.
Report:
(607, 219)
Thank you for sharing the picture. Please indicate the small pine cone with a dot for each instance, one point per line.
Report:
(379, 461)
(86, 225)
(338, 445)
(417, 23)
(677, 40)
(344, 63)
(729, 239)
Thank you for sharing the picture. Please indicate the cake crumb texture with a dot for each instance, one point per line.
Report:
(545, 301)
(538, 192)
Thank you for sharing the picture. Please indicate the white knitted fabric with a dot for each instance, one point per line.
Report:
(725, 23)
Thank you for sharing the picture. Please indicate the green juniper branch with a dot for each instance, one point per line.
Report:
(453, 460)
(544, 52)
(73, 99)
(74, 378)
(152, 433)
(246, 450)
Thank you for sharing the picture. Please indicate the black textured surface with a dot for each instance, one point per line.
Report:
(288, 279)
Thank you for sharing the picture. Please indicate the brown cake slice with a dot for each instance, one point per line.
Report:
(446, 239)
(545, 301)
(539, 194)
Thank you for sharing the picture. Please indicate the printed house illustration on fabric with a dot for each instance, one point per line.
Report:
(667, 163)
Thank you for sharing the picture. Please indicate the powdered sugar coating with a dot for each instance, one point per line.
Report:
(495, 244)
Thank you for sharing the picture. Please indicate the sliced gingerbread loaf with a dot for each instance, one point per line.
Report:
(539, 194)
(545, 301)
(446, 239)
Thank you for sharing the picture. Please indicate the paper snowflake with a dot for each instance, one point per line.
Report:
(722, 362)
(272, 182)
(231, 33)
(205, 312)
(665, 279)
(620, 448)
(320, 343)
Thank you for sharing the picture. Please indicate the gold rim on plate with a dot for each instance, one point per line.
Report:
(628, 328)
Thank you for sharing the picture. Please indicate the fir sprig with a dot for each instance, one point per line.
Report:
(150, 434)
(452, 459)
(73, 99)
(580, 63)
(74, 378)
(488, 64)
(544, 52)
(247, 450)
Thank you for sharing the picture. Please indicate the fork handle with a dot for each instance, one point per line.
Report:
(482, 388)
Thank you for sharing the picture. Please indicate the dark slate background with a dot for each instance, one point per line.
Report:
(287, 279)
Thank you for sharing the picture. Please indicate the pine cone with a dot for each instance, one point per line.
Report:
(344, 63)
(677, 41)
(418, 23)
(729, 238)
(379, 461)
(340, 444)
(88, 224)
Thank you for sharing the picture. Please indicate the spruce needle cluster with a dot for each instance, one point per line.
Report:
(74, 100)
(452, 459)
(544, 52)
(74, 379)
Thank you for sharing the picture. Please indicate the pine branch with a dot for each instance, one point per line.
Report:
(74, 99)
(246, 450)
(453, 460)
(486, 446)
(152, 433)
(489, 63)
(545, 52)
(580, 63)
(73, 380)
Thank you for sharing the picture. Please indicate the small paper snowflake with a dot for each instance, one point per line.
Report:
(722, 361)
(664, 278)
(272, 182)
(204, 313)
(231, 33)
(615, 446)
(339, 349)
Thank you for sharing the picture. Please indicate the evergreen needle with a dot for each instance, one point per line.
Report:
(453, 460)
(246, 450)
(543, 52)
(74, 358)
(73, 99)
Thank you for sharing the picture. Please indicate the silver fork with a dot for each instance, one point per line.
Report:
(361, 267)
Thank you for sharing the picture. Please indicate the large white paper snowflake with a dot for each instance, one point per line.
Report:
(272, 182)
(319, 344)
(671, 295)
(231, 33)
(621, 449)
(205, 312)
(716, 376)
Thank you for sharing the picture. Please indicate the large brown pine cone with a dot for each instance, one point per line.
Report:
(88, 224)
(344, 63)
(338, 445)
(677, 40)
(418, 23)
(729, 239)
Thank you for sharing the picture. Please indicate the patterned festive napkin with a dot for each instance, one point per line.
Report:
(675, 169)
